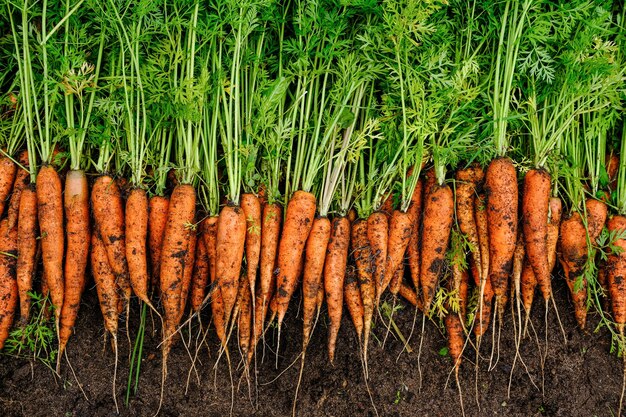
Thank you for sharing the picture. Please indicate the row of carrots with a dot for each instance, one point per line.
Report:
(140, 243)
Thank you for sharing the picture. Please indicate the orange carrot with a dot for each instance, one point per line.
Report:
(8, 283)
(612, 167)
(408, 294)
(104, 279)
(176, 244)
(413, 250)
(352, 295)
(50, 212)
(554, 225)
(231, 237)
(136, 237)
(436, 228)
(456, 338)
(26, 248)
(22, 180)
(480, 215)
(400, 228)
(387, 206)
(315, 254)
(190, 259)
(200, 269)
(396, 281)
(502, 195)
(535, 209)
(108, 294)
(244, 319)
(616, 273)
(362, 255)
(378, 237)
(483, 315)
(252, 209)
(466, 182)
(77, 255)
(270, 234)
(528, 283)
(597, 213)
(108, 213)
(157, 220)
(334, 275)
(8, 170)
(217, 304)
(573, 250)
(298, 223)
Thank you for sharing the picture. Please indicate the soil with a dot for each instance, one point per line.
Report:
(582, 377)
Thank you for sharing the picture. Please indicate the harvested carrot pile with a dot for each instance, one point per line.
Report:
(219, 169)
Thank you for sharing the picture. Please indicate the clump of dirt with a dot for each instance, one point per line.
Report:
(581, 376)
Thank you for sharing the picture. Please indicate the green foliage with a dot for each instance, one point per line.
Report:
(36, 339)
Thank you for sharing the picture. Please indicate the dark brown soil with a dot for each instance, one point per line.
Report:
(581, 377)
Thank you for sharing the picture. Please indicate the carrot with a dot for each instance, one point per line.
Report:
(352, 215)
(252, 209)
(463, 291)
(217, 304)
(466, 182)
(480, 215)
(176, 244)
(104, 279)
(413, 250)
(334, 275)
(597, 213)
(400, 228)
(573, 250)
(408, 294)
(77, 255)
(387, 206)
(200, 269)
(8, 282)
(361, 252)
(612, 167)
(270, 233)
(535, 209)
(108, 213)
(528, 283)
(352, 296)
(244, 319)
(502, 195)
(456, 339)
(157, 219)
(22, 180)
(483, 315)
(616, 273)
(458, 283)
(190, 259)
(231, 237)
(396, 281)
(315, 255)
(604, 284)
(108, 294)
(8, 170)
(298, 223)
(554, 224)
(378, 237)
(50, 212)
(136, 236)
(430, 180)
(436, 228)
(26, 248)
